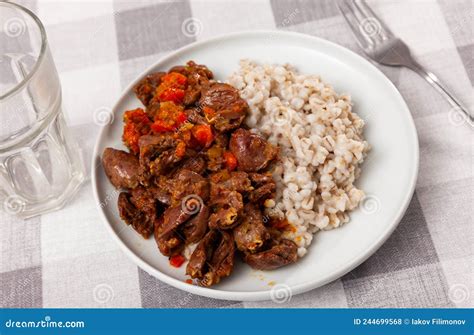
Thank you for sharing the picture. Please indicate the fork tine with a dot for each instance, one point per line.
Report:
(373, 19)
(363, 40)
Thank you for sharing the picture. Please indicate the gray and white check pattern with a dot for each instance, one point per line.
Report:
(67, 259)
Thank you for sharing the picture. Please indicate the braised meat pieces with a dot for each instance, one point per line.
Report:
(213, 258)
(279, 255)
(133, 216)
(195, 176)
(253, 153)
(251, 234)
(121, 168)
(145, 90)
(223, 106)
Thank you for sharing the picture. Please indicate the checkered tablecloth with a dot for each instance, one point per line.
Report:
(67, 258)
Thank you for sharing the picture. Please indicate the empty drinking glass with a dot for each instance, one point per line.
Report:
(39, 164)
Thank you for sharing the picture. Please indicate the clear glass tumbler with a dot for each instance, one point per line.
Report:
(39, 164)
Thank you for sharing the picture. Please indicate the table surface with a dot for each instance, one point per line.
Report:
(68, 259)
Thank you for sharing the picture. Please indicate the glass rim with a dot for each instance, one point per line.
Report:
(42, 52)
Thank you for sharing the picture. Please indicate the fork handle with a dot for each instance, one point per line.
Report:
(435, 82)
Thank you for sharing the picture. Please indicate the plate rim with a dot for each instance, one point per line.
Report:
(264, 294)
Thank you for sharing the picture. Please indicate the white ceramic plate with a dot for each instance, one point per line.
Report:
(388, 175)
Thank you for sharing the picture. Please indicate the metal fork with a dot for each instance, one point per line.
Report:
(378, 43)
